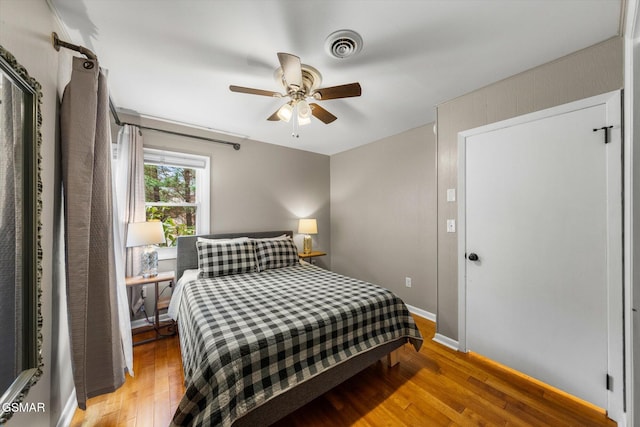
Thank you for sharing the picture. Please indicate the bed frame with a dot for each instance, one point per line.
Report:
(298, 396)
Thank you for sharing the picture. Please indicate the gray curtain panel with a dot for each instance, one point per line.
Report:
(97, 359)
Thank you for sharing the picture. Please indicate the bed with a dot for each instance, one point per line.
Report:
(262, 334)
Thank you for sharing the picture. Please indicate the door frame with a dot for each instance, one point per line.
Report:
(615, 294)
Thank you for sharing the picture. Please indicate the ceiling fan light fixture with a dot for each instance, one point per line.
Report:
(304, 120)
(301, 81)
(304, 111)
(285, 112)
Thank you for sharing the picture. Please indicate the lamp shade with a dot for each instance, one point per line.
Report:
(145, 233)
(308, 226)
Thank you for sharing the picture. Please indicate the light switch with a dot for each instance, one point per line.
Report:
(451, 195)
(451, 226)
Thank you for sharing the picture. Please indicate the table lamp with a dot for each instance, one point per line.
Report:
(307, 227)
(146, 234)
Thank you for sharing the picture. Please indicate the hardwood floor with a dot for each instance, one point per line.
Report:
(435, 387)
(146, 400)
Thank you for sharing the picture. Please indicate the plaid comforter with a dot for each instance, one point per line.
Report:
(249, 337)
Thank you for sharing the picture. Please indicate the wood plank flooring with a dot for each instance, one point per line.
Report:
(435, 387)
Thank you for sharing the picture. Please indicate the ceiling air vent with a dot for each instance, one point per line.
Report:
(343, 44)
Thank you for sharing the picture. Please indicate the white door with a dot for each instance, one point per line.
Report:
(538, 216)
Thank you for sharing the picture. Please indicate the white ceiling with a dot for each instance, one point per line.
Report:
(175, 59)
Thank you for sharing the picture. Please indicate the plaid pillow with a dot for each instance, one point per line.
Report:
(275, 253)
(221, 259)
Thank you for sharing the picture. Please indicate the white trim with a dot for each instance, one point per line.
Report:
(631, 47)
(171, 204)
(632, 24)
(153, 156)
(422, 313)
(462, 244)
(187, 124)
(68, 411)
(614, 244)
(140, 323)
(167, 253)
(203, 196)
(446, 341)
(615, 276)
(63, 30)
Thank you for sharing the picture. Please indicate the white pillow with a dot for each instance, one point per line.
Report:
(237, 239)
(283, 237)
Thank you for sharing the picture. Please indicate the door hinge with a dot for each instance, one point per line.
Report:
(609, 382)
(606, 132)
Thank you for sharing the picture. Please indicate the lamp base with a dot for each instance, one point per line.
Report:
(149, 259)
(306, 244)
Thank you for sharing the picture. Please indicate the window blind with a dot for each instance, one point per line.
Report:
(173, 158)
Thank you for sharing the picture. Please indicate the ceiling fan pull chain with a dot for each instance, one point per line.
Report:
(295, 134)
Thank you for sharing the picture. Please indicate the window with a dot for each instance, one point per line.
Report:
(177, 194)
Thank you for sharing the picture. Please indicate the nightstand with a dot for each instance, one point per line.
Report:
(309, 257)
(159, 304)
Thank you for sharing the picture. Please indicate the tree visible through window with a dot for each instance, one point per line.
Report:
(170, 197)
(177, 194)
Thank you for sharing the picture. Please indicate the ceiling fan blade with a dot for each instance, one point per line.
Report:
(252, 91)
(343, 91)
(291, 69)
(322, 114)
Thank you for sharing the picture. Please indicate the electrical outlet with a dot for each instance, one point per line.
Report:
(451, 226)
(144, 292)
(138, 304)
(407, 282)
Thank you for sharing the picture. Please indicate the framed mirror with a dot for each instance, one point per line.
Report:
(20, 248)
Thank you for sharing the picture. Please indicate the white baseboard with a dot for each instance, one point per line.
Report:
(69, 409)
(440, 339)
(446, 341)
(422, 313)
(139, 323)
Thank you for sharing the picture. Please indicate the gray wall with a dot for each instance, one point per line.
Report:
(260, 187)
(592, 71)
(383, 214)
(25, 31)
(383, 211)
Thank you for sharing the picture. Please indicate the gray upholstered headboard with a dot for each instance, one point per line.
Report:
(188, 253)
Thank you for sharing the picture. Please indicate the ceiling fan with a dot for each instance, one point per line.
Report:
(301, 81)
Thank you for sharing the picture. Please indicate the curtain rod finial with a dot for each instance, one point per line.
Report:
(55, 41)
(57, 44)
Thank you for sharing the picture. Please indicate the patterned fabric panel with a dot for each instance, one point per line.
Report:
(220, 259)
(276, 254)
(247, 338)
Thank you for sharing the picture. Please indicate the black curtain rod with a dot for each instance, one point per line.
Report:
(112, 108)
(57, 43)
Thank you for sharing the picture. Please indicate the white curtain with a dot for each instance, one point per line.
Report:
(128, 190)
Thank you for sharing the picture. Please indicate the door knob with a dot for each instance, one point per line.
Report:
(473, 257)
